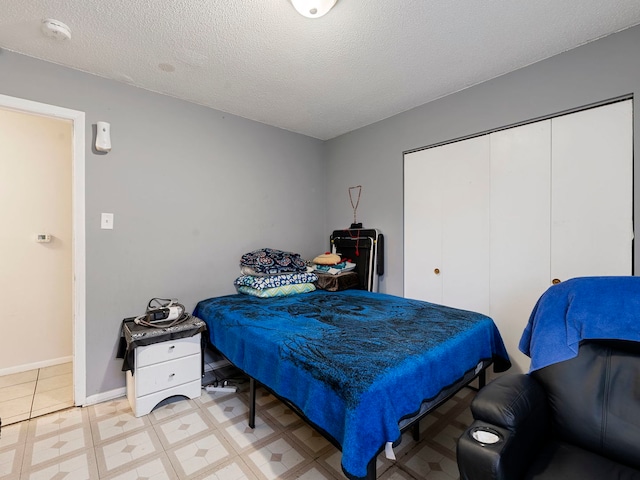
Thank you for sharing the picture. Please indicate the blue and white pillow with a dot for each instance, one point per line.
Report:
(274, 281)
(285, 291)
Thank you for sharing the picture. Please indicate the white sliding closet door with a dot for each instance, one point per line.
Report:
(592, 192)
(447, 224)
(423, 173)
(502, 215)
(520, 228)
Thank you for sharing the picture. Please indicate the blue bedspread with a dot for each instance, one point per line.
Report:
(585, 308)
(354, 362)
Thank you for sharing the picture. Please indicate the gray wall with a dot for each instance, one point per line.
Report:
(373, 155)
(192, 189)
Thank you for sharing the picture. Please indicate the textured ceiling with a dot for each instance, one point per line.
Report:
(364, 61)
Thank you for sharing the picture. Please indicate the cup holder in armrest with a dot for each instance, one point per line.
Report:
(485, 436)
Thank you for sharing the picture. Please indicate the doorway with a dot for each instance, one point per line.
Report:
(47, 349)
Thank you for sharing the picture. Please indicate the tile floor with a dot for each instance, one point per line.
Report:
(208, 439)
(36, 392)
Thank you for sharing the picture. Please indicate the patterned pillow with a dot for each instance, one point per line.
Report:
(278, 291)
(268, 260)
(273, 281)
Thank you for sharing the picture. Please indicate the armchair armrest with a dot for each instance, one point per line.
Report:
(513, 407)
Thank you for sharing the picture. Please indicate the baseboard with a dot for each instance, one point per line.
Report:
(121, 392)
(35, 365)
(105, 396)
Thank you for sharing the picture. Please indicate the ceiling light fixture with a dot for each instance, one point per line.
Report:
(313, 8)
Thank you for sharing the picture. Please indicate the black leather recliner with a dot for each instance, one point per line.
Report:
(577, 419)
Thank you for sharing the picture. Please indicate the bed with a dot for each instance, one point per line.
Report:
(359, 366)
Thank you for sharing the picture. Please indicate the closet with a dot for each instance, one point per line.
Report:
(492, 221)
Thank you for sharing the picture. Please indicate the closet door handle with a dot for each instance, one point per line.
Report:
(555, 281)
(436, 271)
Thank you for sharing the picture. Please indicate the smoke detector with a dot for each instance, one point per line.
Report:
(55, 29)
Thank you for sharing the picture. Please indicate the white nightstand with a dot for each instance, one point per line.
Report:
(162, 370)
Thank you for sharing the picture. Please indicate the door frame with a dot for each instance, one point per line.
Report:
(78, 230)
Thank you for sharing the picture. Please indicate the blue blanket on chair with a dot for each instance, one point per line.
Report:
(354, 362)
(585, 308)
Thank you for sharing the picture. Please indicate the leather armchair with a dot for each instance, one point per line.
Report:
(576, 419)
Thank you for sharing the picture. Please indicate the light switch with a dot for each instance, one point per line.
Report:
(106, 221)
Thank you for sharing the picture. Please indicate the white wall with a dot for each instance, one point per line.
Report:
(35, 278)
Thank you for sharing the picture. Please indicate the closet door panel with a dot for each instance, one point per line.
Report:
(465, 225)
(423, 173)
(520, 228)
(446, 224)
(592, 194)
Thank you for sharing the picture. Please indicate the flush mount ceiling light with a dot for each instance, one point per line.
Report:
(313, 8)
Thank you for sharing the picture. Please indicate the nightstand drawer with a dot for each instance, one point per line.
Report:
(169, 350)
(165, 375)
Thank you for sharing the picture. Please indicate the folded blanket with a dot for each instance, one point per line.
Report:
(585, 308)
(273, 281)
(335, 269)
(284, 291)
(268, 260)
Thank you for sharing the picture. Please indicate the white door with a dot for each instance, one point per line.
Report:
(447, 224)
(520, 228)
(561, 200)
(423, 174)
(592, 192)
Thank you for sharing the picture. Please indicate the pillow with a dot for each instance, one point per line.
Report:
(327, 259)
(270, 261)
(272, 281)
(284, 291)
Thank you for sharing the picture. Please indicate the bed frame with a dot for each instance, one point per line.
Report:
(412, 422)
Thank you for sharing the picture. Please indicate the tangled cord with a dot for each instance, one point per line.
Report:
(146, 318)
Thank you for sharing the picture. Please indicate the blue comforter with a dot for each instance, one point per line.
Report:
(354, 362)
(585, 308)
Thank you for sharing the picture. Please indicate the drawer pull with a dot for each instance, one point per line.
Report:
(172, 347)
(172, 375)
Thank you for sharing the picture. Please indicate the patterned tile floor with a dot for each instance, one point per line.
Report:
(208, 438)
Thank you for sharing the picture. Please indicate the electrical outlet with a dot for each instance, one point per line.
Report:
(106, 221)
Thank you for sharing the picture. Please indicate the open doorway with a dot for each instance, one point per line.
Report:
(42, 190)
